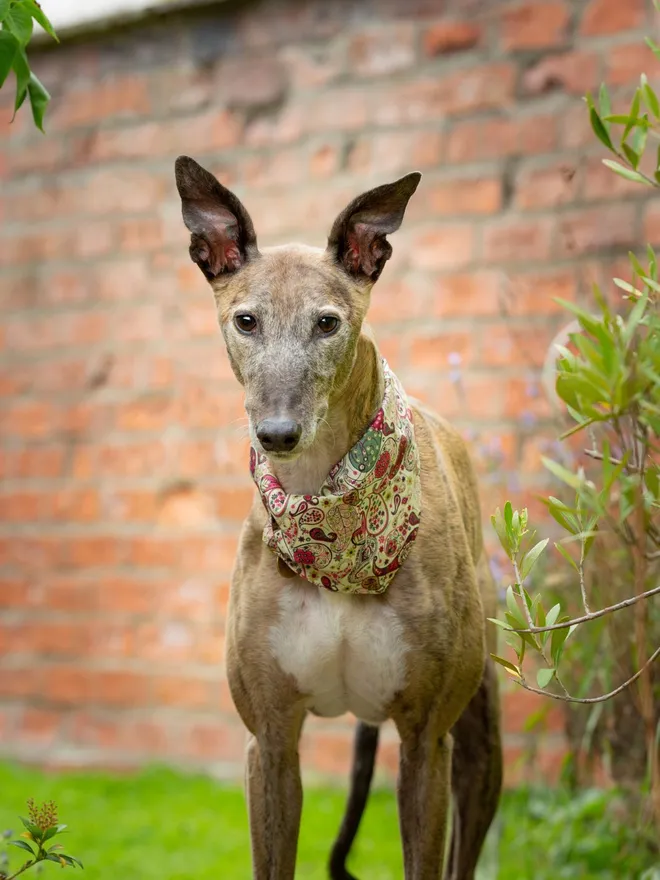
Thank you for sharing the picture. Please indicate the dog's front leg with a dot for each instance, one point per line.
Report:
(424, 795)
(274, 794)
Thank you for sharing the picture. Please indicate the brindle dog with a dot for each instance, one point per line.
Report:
(293, 322)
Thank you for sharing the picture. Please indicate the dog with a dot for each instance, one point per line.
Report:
(360, 583)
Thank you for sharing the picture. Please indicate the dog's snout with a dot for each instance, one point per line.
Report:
(279, 435)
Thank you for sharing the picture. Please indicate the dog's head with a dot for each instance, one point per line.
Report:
(291, 316)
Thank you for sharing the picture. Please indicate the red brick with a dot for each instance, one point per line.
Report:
(382, 50)
(624, 64)
(525, 397)
(546, 186)
(141, 235)
(68, 685)
(76, 505)
(478, 88)
(480, 195)
(123, 96)
(441, 350)
(214, 741)
(473, 294)
(517, 240)
(398, 297)
(395, 152)
(39, 726)
(572, 72)
(469, 141)
(442, 248)
(248, 83)
(525, 345)
(591, 230)
(118, 688)
(30, 420)
(652, 223)
(189, 693)
(312, 66)
(152, 413)
(600, 183)
(451, 36)
(535, 25)
(611, 17)
(88, 551)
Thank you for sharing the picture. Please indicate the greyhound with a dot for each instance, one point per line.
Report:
(360, 583)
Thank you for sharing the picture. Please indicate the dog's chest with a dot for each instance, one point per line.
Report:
(347, 653)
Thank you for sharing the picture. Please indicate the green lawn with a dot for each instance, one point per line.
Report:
(160, 825)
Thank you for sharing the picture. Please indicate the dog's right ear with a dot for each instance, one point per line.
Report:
(222, 237)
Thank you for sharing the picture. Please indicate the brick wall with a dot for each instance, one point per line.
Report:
(123, 456)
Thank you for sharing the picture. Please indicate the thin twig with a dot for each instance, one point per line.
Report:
(593, 453)
(583, 588)
(519, 581)
(603, 697)
(594, 614)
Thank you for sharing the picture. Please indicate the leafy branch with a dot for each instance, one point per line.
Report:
(41, 827)
(17, 19)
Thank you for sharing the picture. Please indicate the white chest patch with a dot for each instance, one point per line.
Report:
(346, 652)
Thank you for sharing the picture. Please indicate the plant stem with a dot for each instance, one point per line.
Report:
(641, 637)
(589, 700)
(626, 603)
(24, 868)
(519, 581)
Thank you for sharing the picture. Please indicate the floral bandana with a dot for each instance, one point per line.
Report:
(357, 532)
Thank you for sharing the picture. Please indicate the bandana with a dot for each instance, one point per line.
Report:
(357, 532)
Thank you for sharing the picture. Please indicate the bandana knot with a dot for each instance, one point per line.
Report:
(357, 532)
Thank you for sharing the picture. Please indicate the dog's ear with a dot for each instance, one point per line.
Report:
(222, 237)
(357, 239)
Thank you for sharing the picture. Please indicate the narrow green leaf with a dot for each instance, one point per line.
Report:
(653, 47)
(21, 844)
(508, 515)
(500, 529)
(34, 830)
(544, 677)
(599, 129)
(511, 667)
(634, 111)
(39, 99)
(552, 615)
(651, 98)
(628, 173)
(558, 639)
(22, 71)
(514, 608)
(19, 23)
(8, 48)
(604, 103)
(631, 155)
(572, 480)
(499, 623)
(40, 17)
(531, 557)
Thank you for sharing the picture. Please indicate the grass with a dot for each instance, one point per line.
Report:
(160, 825)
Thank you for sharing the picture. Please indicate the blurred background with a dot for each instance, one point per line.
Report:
(123, 460)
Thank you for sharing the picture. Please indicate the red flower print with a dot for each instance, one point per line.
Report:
(382, 465)
(303, 557)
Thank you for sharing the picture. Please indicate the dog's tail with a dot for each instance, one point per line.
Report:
(365, 747)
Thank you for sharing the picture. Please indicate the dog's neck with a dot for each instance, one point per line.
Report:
(349, 414)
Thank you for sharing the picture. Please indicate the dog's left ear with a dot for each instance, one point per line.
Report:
(222, 236)
(357, 239)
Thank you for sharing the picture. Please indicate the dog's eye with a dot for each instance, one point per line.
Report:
(246, 323)
(328, 324)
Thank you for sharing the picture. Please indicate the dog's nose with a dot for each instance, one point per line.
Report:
(278, 435)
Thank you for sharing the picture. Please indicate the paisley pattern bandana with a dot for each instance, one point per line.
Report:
(357, 532)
